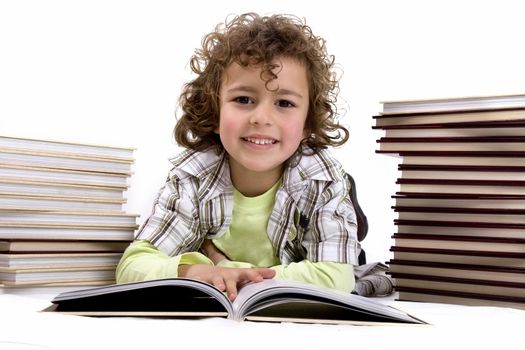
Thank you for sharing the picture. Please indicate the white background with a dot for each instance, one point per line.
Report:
(109, 72)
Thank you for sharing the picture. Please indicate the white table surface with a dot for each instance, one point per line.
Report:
(23, 326)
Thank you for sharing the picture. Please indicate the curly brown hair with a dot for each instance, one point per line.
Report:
(250, 39)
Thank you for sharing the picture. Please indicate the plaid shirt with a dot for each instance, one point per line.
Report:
(313, 217)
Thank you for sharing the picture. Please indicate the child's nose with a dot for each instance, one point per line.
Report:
(262, 115)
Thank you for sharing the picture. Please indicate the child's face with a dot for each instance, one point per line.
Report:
(260, 129)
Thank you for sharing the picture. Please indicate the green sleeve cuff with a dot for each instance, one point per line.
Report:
(193, 258)
(143, 261)
(324, 274)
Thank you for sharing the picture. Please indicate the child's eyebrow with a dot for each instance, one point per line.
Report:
(241, 88)
(288, 92)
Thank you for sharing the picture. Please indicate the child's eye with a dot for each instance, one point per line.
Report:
(285, 103)
(243, 99)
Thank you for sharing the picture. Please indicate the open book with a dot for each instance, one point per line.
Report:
(270, 300)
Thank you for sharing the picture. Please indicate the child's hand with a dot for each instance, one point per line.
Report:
(225, 278)
(210, 250)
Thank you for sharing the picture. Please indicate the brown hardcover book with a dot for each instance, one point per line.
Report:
(460, 158)
(458, 298)
(457, 256)
(459, 130)
(466, 243)
(458, 200)
(481, 187)
(450, 117)
(450, 270)
(461, 285)
(445, 144)
(477, 215)
(461, 228)
(462, 172)
(486, 211)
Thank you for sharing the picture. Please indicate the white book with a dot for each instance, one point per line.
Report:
(65, 161)
(81, 218)
(49, 288)
(102, 151)
(454, 104)
(56, 275)
(21, 261)
(59, 202)
(62, 232)
(14, 186)
(61, 246)
(269, 300)
(30, 173)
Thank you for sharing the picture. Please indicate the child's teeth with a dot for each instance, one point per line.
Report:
(260, 141)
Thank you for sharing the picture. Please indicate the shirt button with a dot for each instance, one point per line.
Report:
(293, 234)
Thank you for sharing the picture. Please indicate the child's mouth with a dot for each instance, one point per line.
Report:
(259, 141)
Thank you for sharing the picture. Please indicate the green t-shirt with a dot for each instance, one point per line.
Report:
(246, 239)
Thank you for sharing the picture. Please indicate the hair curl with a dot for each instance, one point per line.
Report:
(250, 39)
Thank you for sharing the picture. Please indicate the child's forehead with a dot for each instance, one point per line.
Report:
(277, 64)
(288, 74)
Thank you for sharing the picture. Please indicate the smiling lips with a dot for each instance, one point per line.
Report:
(260, 141)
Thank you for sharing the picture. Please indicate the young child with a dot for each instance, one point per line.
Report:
(256, 194)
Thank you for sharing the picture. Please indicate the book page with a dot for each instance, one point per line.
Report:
(279, 298)
(162, 297)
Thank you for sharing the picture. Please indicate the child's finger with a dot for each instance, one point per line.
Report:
(265, 272)
(231, 289)
(218, 282)
(254, 275)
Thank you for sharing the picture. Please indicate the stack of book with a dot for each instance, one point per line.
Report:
(61, 212)
(460, 226)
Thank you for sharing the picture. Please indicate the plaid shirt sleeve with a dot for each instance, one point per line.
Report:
(332, 231)
(173, 225)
